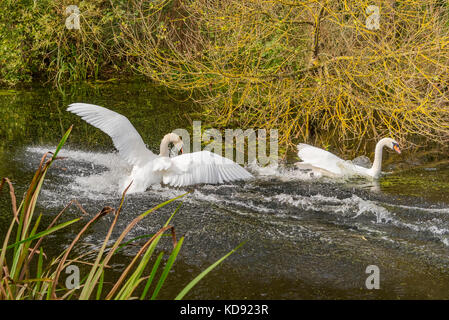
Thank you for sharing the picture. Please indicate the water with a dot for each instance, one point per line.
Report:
(306, 238)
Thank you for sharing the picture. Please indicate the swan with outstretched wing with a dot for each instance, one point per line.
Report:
(148, 168)
(194, 168)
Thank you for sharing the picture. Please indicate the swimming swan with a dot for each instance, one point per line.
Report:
(327, 162)
(148, 168)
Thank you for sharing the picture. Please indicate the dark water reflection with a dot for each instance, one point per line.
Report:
(305, 238)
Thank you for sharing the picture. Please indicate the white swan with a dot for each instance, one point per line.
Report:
(330, 164)
(148, 168)
(194, 168)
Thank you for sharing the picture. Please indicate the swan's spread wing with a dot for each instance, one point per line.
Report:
(202, 167)
(162, 164)
(348, 168)
(124, 136)
(320, 158)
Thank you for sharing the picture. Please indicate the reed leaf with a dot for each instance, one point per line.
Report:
(193, 283)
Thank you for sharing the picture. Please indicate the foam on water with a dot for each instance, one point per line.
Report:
(355, 207)
(281, 172)
(352, 207)
(88, 175)
(97, 176)
(110, 160)
(248, 204)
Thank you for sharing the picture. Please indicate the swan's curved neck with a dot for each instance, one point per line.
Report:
(163, 149)
(377, 163)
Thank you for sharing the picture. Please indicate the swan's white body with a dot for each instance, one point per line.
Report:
(148, 168)
(327, 162)
(198, 167)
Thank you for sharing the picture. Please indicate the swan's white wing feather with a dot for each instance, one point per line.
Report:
(162, 164)
(320, 158)
(202, 167)
(125, 137)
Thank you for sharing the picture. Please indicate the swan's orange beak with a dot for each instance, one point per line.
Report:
(396, 148)
(182, 151)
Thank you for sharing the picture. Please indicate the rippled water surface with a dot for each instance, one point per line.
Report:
(305, 237)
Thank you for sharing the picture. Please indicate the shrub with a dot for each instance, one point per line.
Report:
(308, 69)
(37, 45)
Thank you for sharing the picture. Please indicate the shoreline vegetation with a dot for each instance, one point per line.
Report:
(302, 67)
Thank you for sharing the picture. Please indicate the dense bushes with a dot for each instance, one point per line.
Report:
(36, 45)
(304, 67)
(311, 69)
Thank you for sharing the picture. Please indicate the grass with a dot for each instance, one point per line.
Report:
(27, 274)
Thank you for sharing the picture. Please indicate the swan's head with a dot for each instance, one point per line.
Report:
(171, 138)
(392, 144)
(177, 142)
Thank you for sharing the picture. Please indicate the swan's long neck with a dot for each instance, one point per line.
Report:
(377, 163)
(163, 149)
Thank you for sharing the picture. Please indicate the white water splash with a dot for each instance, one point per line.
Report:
(281, 172)
(97, 176)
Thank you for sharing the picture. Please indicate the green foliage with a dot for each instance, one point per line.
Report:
(35, 43)
(313, 70)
